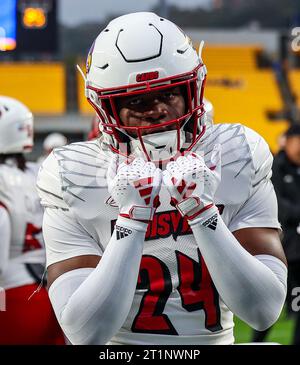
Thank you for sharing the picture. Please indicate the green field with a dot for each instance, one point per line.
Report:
(281, 332)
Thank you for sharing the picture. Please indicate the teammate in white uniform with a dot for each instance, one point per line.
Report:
(164, 246)
(52, 141)
(22, 252)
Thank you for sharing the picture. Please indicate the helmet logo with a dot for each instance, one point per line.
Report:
(89, 58)
(146, 76)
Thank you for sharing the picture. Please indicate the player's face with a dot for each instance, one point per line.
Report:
(151, 109)
(292, 149)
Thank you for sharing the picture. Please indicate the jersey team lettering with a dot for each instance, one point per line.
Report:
(167, 223)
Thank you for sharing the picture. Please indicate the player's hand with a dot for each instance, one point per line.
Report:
(135, 188)
(192, 184)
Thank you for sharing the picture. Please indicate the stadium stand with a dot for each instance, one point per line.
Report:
(41, 86)
(231, 57)
(243, 93)
(294, 80)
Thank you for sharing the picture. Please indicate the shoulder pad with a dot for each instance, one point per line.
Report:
(261, 156)
(49, 184)
(243, 154)
(82, 169)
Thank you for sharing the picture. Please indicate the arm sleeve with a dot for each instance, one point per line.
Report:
(5, 230)
(91, 305)
(254, 288)
(251, 289)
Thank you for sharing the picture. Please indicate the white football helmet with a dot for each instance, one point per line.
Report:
(16, 126)
(138, 53)
(54, 140)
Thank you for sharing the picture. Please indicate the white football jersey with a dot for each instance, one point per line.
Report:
(19, 196)
(175, 301)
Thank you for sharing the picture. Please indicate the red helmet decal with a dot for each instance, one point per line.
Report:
(146, 76)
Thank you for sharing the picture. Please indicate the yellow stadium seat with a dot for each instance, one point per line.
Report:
(41, 86)
(247, 98)
(230, 57)
(241, 92)
(294, 79)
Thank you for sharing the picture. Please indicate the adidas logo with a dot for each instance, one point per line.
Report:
(122, 232)
(211, 222)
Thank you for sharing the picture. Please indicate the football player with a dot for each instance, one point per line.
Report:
(160, 230)
(94, 131)
(52, 141)
(28, 317)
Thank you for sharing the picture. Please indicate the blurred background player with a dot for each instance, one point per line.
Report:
(52, 141)
(94, 131)
(286, 180)
(28, 319)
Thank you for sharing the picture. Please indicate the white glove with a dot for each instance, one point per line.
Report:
(192, 184)
(135, 188)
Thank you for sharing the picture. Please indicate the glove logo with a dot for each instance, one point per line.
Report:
(145, 190)
(122, 232)
(110, 201)
(211, 222)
